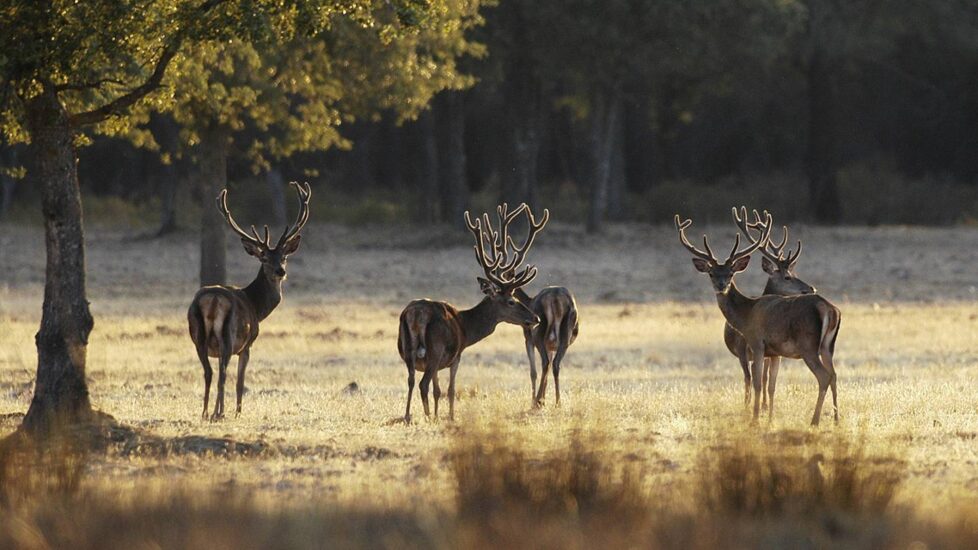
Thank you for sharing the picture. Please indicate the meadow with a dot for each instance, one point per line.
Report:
(652, 423)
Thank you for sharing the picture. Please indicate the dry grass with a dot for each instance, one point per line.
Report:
(652, 411)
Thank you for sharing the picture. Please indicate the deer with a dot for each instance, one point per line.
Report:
(224, 319)
(432, 335)
(782, 281)
(556, 331)
(798, 327)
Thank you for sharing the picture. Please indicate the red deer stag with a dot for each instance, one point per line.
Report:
(781, 281)
(432, 335)
(224, 319)
(556, 331)
(799, 327)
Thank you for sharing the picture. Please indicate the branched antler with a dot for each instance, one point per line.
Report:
(735, 253)
(304, 192)
(497, 262)
(774, 252)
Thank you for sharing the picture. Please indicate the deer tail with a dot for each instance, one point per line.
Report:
(416, 324)
(831, 321)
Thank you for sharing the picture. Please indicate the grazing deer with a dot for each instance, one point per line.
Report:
(781, 281)
(557, 330)
(224, 319)
(799, 327)
(432, 335)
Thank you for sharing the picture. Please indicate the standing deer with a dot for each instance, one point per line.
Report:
(224, 319)
(781, 281)
(432, 335)
(557, 330)
(799, 327)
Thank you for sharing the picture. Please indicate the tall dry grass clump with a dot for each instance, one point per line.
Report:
(510, 495)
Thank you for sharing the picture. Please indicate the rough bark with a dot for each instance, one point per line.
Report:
(454, 183)
(823, 154)
(60, 391)
(604, 124)
(213, 178)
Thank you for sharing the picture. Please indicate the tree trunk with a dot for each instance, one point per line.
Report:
(8, 159)
(213, 178)
(166, 133)
(823, 160)
(617, 183)
(428, 168)
(454, 181)
(276, 190)
(604, 123)
(60, 391)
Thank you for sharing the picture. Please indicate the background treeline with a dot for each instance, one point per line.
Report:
(827, 111)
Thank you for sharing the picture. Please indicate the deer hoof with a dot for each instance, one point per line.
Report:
(215, 417)
(407, 419)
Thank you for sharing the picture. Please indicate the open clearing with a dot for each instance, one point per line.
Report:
(649, 372)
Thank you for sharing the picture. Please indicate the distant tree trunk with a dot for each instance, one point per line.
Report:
(604, 124)
(8, 159)
(276, 190)
(60, 390)
(526, 154)
(166, 133)
(427, 168)
(617, 178)
(213, 177)
(452, 150)
(168, 201)
(823, 160)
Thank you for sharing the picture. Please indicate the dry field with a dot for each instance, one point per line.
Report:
(648, 385)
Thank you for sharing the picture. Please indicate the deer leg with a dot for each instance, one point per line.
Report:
(528, 337)
(558, 357)
(407, 411)
(764, 375)
(772, 383)
(544, 371)
(756, 376)
(222, 368)
(451, 389)
(745, 366)
(208, 374)
(434, 379)
(830, 368)
(239, 387)
(824, 378)
(425, 383)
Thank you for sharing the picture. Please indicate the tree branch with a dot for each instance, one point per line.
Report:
(87, 85)
(118, 105)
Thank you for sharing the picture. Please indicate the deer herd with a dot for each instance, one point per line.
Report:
(788, 320)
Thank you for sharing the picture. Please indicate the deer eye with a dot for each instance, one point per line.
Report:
(511, 302)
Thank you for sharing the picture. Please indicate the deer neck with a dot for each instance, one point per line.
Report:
(264, 294)
(478, 322)
(735, 306)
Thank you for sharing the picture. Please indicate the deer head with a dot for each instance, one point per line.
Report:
(779, 265)
(721, 274)
(273, 258)
(502, 261)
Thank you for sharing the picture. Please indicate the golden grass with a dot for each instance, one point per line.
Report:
(651, 408)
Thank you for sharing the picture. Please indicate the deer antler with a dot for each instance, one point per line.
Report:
(496, 262)
(774, 252)
(735, 253)
(222, 205)
(304, 192)
(291, 231)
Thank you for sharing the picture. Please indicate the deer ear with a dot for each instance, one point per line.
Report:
(768, 266)
(487, 287)
(291, 245)
(701, 265)
(252, 248)
(740, 264)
